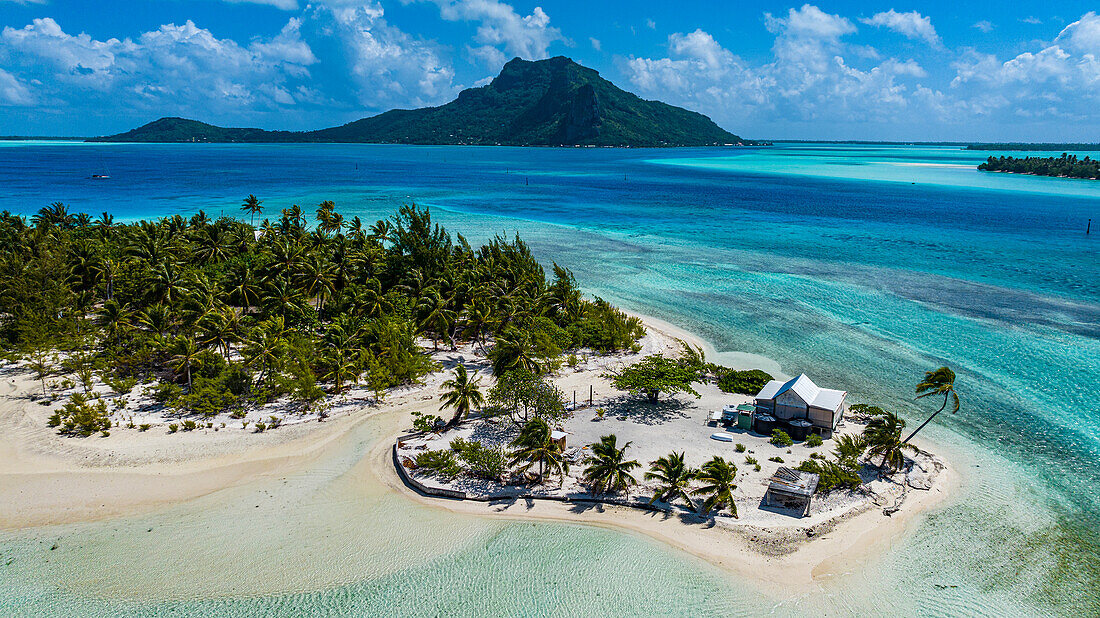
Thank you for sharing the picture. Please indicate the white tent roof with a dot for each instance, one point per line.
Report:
(804, 387)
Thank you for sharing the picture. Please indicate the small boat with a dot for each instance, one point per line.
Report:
(100, 176)
(721, 437)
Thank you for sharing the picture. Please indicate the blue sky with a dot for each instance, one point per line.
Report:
(938, 70)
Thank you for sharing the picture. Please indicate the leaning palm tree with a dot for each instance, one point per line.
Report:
(462, 394)
(608, 469)
(938, 382)
(883, 436)
(534, 445)
(717, 476)
(674, 476)
(252, 206)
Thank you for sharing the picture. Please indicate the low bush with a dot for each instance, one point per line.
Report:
(82, 415)
(260, 426)
(749, 459)
(814, 441)
(173, 428)
(189, 425)
(776, 459)
(831, 475)
(441, 463)
(144, 427)
(484, 462)
(781, 439)
(743, 382)
(739, 448)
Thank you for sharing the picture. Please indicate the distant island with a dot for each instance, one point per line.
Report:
(1050, 147)
(1065, 166)
(553, 102)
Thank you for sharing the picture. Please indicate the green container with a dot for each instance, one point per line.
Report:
(744, 420)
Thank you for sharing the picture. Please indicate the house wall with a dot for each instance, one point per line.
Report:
(789, 406)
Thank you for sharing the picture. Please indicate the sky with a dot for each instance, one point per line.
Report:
(867, 70)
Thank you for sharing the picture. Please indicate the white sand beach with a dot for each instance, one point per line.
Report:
(48, 479)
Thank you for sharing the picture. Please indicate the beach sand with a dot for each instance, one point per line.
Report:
(46, 480)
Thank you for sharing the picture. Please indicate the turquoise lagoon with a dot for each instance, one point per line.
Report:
(861, 265)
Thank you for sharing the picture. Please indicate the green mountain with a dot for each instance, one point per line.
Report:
(554, 102)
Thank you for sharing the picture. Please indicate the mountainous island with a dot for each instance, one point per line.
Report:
(553, 102)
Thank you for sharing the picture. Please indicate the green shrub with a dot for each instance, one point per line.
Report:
(739, 448)
(831, 475)
(756, 467)
(260, 426)
(144, 427)
(814, 441)
(189, 425)
(776, 459)
(483, 462)
(105, 433)
(173, 428)
(743, 382)
(816, 456)
(749, 459)
(425, 422)
(274, 422)
(82, 415)
(441, 463)
(781, 439)
(166, 392)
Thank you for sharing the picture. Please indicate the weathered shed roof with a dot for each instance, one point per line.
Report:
(793, 482)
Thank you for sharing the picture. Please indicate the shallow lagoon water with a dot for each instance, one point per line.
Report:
(823, 258)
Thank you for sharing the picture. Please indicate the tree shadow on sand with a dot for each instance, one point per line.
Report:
(641, 411)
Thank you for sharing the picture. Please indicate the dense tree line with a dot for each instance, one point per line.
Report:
(226, 315)
(1066, 166)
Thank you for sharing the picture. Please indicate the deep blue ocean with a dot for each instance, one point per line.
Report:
(862, 266)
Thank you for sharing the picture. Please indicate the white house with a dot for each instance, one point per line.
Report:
(800, 398)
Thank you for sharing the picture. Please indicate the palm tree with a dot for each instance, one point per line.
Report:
(56, 213)
(849, 449)
(717, 476)
(883, 436)
(608, 469)
(514, 352)
(534, 445)
(674, 476)
(341, 363)
(244, 287)
(938, 382)
(187, 351)
(114, 319)
(252, 205)
(462, 394)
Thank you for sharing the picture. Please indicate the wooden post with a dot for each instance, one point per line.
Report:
(1088, 227)
(590, 395)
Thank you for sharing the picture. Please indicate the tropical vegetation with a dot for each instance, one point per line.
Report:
(608, 468)
(1067, 165)
(220, 316)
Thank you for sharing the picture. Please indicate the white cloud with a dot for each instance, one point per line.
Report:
(984, 25)
(26, 1)
(12, 92)
(649, 23)
(501, 31)
(329, 59)
(376, 64)
(912, 25)
(596, 45)
(286, 5)
(1035, 21)
(807, 80)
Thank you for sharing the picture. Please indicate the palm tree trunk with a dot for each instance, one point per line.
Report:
(927, 421)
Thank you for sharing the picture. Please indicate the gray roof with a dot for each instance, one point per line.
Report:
(804, 387)
(789, 481)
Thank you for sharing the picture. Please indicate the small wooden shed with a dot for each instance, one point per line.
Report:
(791, 489)
(558, 437)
